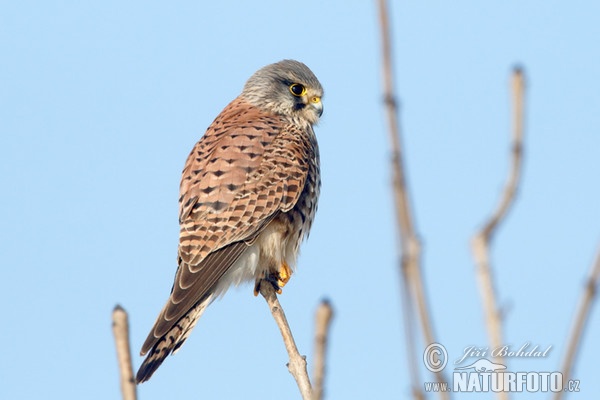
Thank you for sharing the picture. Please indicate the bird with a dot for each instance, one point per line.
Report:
(248, 198)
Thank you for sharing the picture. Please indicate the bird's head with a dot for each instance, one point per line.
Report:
(287, 88)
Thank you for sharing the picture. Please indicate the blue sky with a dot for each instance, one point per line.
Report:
(101, 102)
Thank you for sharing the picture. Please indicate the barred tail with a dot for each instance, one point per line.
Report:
(170, 342)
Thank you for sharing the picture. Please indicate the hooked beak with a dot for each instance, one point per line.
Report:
(315, 101)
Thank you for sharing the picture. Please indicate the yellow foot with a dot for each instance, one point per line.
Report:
(283, 276)
(277, 279)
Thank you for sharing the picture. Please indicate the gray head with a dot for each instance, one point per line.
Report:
(287, 88)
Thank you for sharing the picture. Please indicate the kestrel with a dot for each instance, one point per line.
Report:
(248, 196)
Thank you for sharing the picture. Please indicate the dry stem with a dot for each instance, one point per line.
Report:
(410, 265)
(120, 327)
(409, 332)
(587, 299)
(323, 318)
(297, 364)
(482, 239)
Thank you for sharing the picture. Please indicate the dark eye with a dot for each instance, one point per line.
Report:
(297, 89)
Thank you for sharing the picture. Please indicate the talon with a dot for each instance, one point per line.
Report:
(283, 276)
(278, 279)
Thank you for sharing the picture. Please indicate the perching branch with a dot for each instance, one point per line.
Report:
(120, 327)
(323, 318)
(297, 364)
(482, 239)
(587, 299)
(409, 244)
(408, 316)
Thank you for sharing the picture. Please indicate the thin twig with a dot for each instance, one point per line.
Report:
(323, 318)
(409, 332)
(512, 183)
(410, 263)
(587, 300)
(297, 364)
(120, 326)
(482, 239)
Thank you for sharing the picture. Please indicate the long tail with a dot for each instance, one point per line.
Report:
(170, 342)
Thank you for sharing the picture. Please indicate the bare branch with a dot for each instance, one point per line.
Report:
(297, 364)
(323, 318)
(410, 263)
(587, 299)
(409, 332)
(482, 239)
(120, 326)
(512, 183)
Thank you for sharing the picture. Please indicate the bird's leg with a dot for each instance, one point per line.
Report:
(283, 275)
(278, 278)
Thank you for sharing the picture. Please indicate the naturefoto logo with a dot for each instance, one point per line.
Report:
(487, 376)
(484, 365)
(484, 375)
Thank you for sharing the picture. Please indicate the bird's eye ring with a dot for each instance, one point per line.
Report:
(297, 89)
